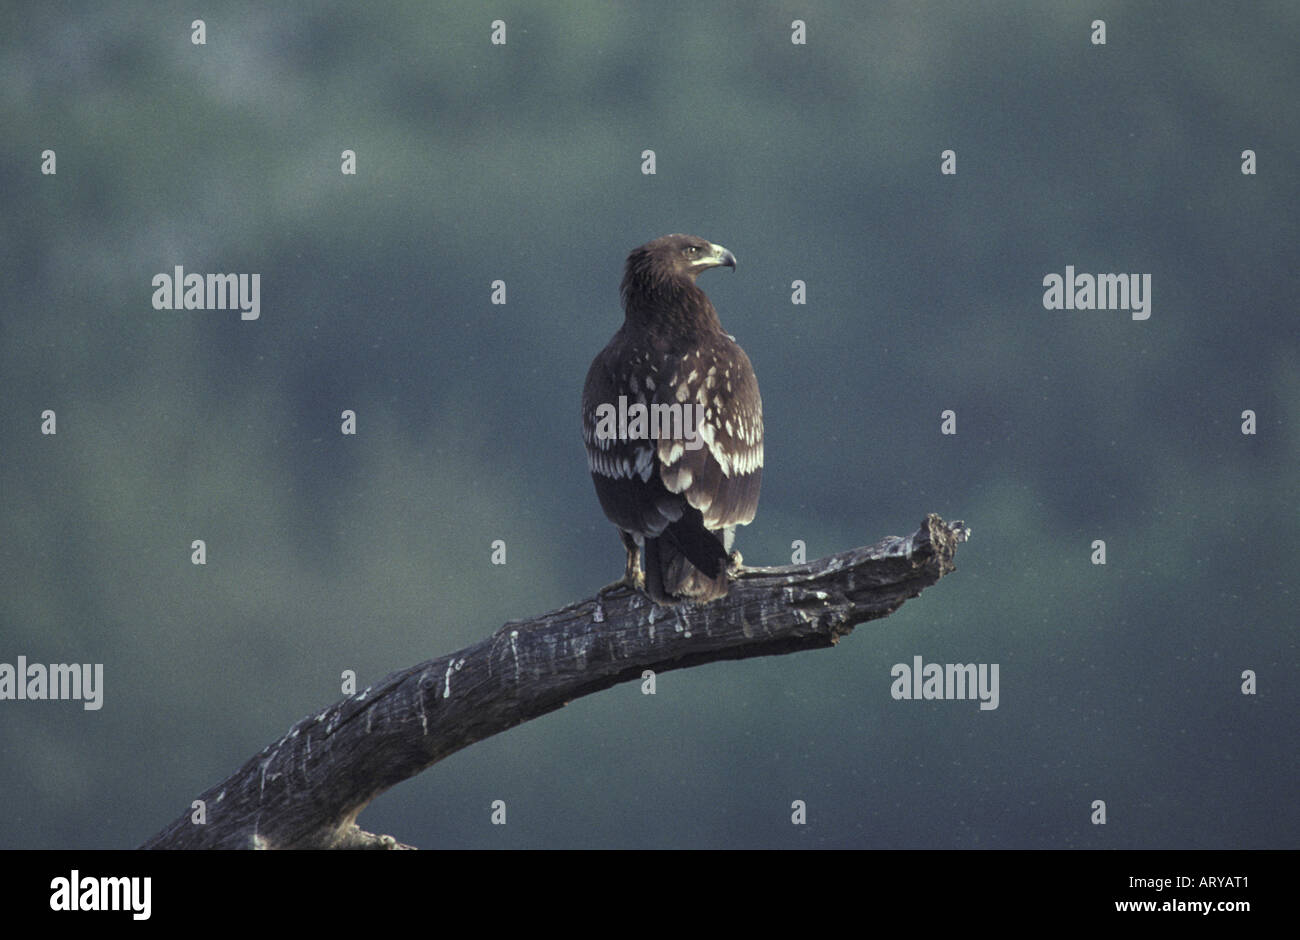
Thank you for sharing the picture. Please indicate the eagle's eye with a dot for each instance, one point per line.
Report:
(692, 249)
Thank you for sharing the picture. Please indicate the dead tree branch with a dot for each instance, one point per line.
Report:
(306, 789)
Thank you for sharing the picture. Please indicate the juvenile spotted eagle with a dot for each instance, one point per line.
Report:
(680, 494)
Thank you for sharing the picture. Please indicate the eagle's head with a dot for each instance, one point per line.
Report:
(660, 269)
(682, 255)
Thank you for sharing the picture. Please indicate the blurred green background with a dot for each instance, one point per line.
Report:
(521, 162)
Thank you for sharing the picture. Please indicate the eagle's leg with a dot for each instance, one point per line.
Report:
(632, 577)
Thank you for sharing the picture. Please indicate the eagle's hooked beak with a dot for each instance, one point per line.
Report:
(722, 257)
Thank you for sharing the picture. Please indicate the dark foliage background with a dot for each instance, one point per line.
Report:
(818, 162)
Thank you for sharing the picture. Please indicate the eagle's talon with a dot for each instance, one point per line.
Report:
(633, 581)
(620, 585)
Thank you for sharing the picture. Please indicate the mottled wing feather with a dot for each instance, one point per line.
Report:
(626, 478)
(723, 477)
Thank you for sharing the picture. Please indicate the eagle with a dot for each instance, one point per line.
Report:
(673, 426)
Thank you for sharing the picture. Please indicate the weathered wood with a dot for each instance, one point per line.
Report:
(306, 790)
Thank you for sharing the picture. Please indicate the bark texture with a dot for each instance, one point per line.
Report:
(306, 789)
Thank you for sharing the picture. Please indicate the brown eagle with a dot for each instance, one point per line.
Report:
(673, 425)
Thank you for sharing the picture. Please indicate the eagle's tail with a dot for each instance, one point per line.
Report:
(687, 563)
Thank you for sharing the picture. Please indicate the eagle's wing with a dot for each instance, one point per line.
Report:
(722, 477)
(625, 471)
